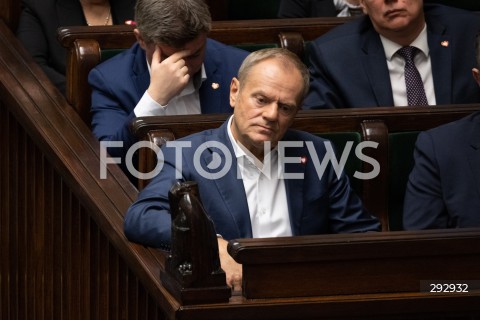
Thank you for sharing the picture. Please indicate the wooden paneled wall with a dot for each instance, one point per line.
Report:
(10, 12)
(56, 263)
(62, 248)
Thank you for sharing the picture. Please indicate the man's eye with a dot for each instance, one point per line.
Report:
(286, 109)
(260, 100)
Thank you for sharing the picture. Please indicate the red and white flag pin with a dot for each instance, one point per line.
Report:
(444, 43)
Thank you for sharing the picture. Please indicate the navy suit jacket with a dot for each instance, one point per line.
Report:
(38, 24)
(316, 206)
(349, 68)
(443, 190)
(119, 83)
(306, 8)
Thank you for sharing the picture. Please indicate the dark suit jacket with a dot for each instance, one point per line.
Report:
(349, 69)
(316, 206)
(37, 30)
(306, 8)
(443, 190)
(119, 83)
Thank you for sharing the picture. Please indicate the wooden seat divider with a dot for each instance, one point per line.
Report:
(88, 46)
(371, 124)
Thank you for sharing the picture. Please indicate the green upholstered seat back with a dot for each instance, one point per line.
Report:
(339, 141)
(401, 146)
(256, 46)
(306, 55)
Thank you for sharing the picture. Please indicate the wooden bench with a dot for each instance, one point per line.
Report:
(392, 267)
(394, 129)
(321, 267)
(387, 274)
(401, 275)
(88, 46)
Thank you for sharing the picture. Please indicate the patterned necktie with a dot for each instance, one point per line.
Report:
(415, 90)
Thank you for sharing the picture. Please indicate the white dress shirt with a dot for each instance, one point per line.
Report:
(265, 191)
(187, 102)
(396, 68)
(343, 7)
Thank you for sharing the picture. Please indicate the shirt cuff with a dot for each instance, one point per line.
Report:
(148, 107)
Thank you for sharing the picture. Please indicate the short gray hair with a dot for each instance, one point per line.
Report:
(172, 22)
(288, 58)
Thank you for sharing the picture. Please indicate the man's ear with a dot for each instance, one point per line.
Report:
(364, 8)
(234, 89)
(476, 75)
(140, 39)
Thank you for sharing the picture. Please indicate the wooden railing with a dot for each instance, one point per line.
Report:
(10, 12)
(63, 251)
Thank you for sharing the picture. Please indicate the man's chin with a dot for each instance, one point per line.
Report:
(264, 136)
(262, 143)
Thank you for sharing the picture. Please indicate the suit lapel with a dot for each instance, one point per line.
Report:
(441, 58)
(294, 187)
(376, 69)
(473, 153)
(141, 76)
(210, 91)
(231, 189)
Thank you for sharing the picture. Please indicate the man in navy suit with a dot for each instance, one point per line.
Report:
(256, 177)
(443, 190)
(357, 64)
(173, 69)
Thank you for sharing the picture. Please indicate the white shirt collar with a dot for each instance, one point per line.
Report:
(421, 42)
(242, 151)
(265, 192)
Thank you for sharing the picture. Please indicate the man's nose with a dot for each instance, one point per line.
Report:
(271, 111)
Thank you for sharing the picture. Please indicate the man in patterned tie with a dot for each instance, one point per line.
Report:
(362, 63)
